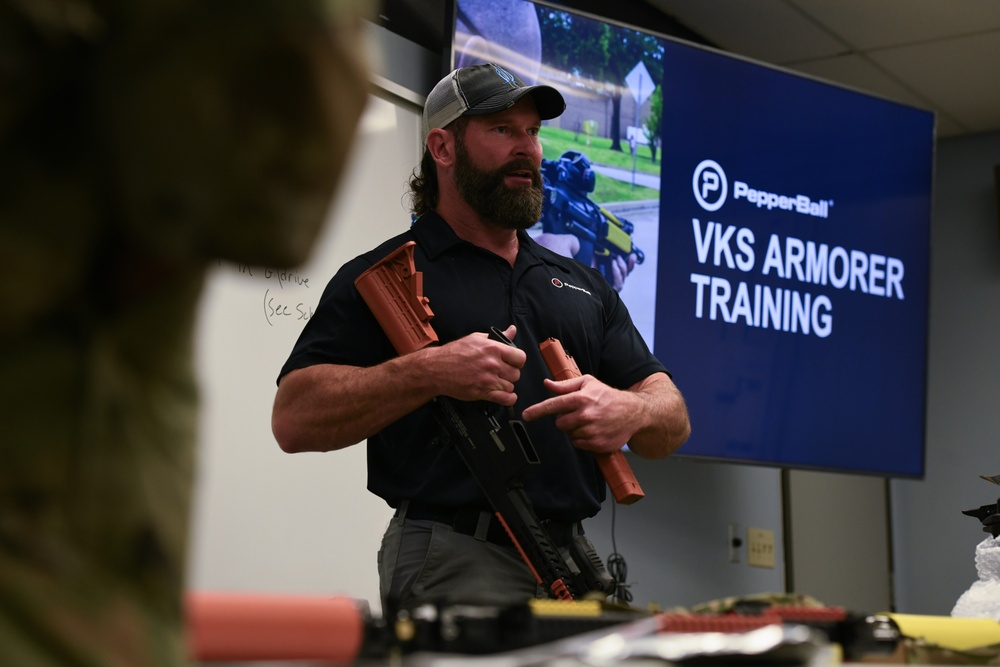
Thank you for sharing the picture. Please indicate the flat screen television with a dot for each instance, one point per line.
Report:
(781, 223)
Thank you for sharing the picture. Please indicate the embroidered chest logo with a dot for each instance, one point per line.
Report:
(558, 283)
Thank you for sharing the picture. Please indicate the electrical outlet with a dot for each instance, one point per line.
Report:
(760, 547)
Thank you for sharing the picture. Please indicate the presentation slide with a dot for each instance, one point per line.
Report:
(792, 282)
(776, 228)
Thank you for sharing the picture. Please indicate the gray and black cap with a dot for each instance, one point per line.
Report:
(484, 89)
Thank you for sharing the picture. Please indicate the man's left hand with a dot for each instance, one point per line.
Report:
(596, 417)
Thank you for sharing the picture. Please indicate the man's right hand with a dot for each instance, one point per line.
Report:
(328, 406)
(476, 368)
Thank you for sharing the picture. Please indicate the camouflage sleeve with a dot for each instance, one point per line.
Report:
(230, 125)
(138, 140)
(180, 130)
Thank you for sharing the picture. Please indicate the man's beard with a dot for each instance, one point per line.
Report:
(496, 203)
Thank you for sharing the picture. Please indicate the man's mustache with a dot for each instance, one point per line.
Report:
(524, 165)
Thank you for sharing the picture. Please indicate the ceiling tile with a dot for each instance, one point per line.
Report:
(959, 76)
(768, 30)
(873, 24)
(930, 54)
(860, 74)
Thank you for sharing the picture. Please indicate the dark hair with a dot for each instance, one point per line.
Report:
(424, 189)
(424, 186)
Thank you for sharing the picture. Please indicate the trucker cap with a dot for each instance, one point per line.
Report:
(484, 89)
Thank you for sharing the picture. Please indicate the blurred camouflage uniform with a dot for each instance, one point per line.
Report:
(139, 140)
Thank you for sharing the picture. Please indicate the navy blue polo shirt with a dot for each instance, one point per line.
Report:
(471, 290)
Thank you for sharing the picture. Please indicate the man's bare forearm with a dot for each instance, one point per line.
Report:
(327, 406)
(663, 415)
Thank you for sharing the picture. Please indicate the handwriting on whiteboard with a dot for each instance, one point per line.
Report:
(282, 300)
(277, 308)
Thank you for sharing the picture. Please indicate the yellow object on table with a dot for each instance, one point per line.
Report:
(959, 634)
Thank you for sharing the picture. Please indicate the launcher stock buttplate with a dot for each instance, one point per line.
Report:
(394, 292)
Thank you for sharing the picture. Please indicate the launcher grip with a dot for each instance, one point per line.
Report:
(614, 466)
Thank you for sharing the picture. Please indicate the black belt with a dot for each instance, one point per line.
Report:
(467, 522)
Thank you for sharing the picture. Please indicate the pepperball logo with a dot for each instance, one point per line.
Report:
(558, 283)
(710, 185)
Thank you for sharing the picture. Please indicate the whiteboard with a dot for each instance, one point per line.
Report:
(267, 521)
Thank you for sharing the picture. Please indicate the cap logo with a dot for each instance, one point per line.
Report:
(505, 75)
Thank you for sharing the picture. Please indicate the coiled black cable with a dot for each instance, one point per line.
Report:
(618, 568)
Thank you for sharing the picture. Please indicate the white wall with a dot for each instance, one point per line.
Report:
(934, 543)
(838, 539)
(265, 520)
(675, 541)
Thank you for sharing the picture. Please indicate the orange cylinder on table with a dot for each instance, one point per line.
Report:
(249, 626)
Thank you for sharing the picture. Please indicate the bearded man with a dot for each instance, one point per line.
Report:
(477, 189)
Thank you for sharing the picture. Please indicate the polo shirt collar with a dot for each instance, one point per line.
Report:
(436, 237)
